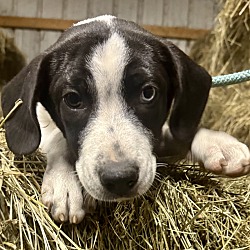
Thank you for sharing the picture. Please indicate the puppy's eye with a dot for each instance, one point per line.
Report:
(148, 94)
(73, 100)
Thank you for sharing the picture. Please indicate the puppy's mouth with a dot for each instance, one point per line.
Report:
(111, 197)
(116, 195)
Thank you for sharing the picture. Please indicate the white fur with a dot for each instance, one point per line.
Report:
(221, 153)
(61, 189)
(104, 18)
(107, 64)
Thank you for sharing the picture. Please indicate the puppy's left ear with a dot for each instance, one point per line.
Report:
(191, 84)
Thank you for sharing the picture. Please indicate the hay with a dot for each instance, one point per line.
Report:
(185, 209)
(226, 50)
(11, 59)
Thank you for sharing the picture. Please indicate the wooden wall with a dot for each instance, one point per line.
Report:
(182, 13)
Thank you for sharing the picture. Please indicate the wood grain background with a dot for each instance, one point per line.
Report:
(194, 14)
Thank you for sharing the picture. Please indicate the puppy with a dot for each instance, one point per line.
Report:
(103, 102)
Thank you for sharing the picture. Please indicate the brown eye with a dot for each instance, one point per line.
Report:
(73, 100)
(148, 94)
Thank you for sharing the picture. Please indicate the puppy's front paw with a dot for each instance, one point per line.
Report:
(62, 194)
(221, 153)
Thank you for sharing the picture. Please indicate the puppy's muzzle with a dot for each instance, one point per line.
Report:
(119, 178)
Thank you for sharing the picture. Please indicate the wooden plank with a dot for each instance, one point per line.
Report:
(100, 7)
(201, 14)
(6, 8)
(59, 24)
(76, 9)
(27, 40)
(152, 12)
(176, 14)
(176, 32)
(35, 23)
(50, 9)
(126, 9)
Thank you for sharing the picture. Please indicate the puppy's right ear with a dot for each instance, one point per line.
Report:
(22, 128)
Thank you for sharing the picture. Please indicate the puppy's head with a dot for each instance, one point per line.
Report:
(109, 86)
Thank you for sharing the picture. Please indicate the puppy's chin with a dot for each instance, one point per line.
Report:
(108, 197)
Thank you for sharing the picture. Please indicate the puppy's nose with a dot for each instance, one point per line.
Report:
(119, 177)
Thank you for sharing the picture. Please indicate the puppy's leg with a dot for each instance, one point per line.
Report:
(221, 153)
(62, 191)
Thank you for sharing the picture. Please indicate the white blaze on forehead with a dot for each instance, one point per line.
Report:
(105, 18)
(107, 64)
(113, 123)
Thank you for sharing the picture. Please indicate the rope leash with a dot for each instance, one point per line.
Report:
(230, 79)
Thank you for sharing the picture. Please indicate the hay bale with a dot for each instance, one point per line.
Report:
(11, 59)
(227, 50)
(185, 209)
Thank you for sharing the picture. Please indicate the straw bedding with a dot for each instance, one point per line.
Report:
(185, 209)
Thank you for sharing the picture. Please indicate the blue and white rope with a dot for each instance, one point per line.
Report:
(230, 79)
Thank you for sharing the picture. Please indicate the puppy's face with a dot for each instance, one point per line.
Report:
(112, 104)
(109, 85)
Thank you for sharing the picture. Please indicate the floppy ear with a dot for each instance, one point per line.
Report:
(22, 128)
(191, 85)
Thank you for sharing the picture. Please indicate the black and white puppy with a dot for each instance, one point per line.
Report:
(103, 102)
